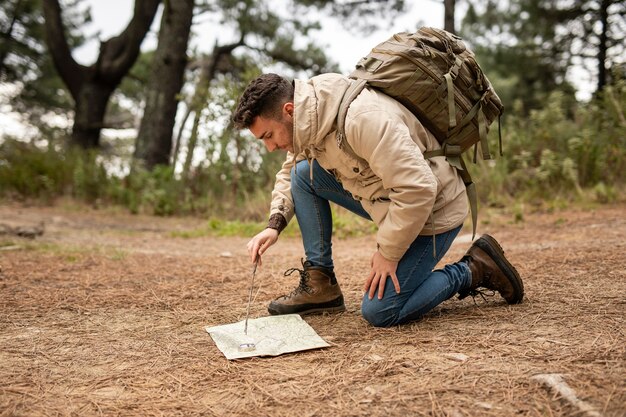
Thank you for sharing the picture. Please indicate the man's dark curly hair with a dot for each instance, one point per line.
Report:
(264, 96)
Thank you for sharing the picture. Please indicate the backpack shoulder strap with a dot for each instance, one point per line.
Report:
(351, 93)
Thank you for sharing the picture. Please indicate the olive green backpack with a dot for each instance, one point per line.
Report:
(437, 78)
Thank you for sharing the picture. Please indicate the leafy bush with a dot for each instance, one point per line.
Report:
(554, 155)
(549, 155)
(29, 172)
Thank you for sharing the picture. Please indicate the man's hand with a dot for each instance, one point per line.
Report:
(381, 269)
(261, 242)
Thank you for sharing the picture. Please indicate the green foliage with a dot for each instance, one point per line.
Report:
(549, 155)
(89, 177)
(29, 172)
(535, 44)
(26, 64)
(554, 156)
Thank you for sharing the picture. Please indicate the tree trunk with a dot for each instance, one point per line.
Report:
(191, 146)
(208, 70)
(448, 23)
(179, 137)
(91, 87)
(154, 140)
(236, 168)
(91, 104)
(603, 44)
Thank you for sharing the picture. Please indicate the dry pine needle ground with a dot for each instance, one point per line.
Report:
(105, 313)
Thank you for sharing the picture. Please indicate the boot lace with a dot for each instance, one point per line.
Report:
(475, 292)
(483, 294)
(304, 279)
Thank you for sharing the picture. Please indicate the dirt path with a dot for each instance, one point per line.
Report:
(104, 314)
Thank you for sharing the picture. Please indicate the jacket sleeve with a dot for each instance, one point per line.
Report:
(282, 201)
(384, 141)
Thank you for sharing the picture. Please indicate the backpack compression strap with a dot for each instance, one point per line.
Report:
(354, 90)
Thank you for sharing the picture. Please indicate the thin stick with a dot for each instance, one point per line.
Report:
(245, 329)
(556, 383)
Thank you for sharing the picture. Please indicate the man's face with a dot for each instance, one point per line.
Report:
(275, 134)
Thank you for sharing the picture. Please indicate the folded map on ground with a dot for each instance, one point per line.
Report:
(270, 336)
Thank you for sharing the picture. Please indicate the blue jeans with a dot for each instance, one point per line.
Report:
(421, 288)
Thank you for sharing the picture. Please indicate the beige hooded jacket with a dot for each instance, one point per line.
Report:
(404, 194)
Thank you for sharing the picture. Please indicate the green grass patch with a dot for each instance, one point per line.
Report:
(345, 224)
(118, 255)
(6, 243)
(218, 227)
(73, 254)
(70, 254)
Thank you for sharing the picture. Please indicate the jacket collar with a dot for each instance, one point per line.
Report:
(316, 103)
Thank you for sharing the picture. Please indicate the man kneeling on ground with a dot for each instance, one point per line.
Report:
(418, 204)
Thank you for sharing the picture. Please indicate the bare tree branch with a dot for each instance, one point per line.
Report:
(71, 72)
(119, 53)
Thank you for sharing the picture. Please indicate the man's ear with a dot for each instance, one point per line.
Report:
(288, 108)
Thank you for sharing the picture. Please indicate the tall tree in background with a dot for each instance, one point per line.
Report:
(535, 43)
(88, 90)
(91, 86)
(20, 31)
(154, 140)
(600, 27)
(255, 29)
(25, 64)
(260, 35)
(449, 7)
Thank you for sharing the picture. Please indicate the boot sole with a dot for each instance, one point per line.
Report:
(335, 306)
(492, 248)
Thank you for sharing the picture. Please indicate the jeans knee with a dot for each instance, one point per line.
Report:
(377, 313)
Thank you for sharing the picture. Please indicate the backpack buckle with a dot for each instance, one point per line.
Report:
(369, 64)
(453, 155)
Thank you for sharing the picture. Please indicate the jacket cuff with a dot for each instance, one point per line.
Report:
(277, 221)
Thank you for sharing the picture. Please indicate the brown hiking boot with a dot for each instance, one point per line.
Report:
(318, 292)
(491, 270)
